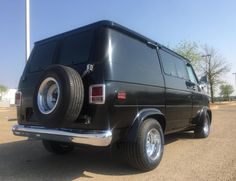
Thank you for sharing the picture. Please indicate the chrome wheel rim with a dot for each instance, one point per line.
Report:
(48, 95)
(153, 144)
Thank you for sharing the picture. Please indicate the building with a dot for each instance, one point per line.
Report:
(8, 98)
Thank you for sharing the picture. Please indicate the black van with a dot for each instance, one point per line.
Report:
(104, 84)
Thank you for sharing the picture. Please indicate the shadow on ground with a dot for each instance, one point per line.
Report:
(179, 136)
(28, 160)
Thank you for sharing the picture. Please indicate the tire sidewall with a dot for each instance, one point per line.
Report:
(145, 128)
(54, 118)
(199, 130)
(206, 121)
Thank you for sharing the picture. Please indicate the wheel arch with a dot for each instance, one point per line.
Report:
(140, 117)
(201, 113)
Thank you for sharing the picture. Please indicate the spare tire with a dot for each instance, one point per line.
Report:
(58, 97)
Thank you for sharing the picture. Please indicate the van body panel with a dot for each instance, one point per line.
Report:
(125, 62)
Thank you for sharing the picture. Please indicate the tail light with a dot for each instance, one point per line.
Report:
(97, 94)
(18, 98)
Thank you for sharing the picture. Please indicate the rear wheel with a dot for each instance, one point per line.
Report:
(146, 152)
(57, 147)
(203, 129)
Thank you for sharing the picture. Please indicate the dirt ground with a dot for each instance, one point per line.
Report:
(185, 158)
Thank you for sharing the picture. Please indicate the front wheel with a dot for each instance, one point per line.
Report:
(57, 147)
(146, 152)
(203, 129)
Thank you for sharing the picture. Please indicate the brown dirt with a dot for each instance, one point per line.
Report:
(185, 158)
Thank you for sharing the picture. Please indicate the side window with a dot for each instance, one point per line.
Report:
(168, 63)
(191, 74)
(138, 60)
(130, 51)
(173, 65)
(180, 66)
(42, 56)
(76, 49)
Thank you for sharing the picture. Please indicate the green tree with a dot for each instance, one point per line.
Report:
(2, 90)
(206, 61)
(226, 90)
(191, 51)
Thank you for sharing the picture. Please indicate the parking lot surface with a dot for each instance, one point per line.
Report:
(185, 158)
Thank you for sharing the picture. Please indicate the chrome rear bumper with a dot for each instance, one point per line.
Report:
(94, 138)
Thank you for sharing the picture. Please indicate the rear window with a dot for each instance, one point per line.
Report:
(42, 56)
(75, 49)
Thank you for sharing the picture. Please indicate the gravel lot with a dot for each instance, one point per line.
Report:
(185, 158)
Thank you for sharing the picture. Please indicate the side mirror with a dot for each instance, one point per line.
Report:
(203, 80)
(203, 83)
(203, 86)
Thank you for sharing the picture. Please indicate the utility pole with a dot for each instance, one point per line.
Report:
(208, 64)
(27, 29)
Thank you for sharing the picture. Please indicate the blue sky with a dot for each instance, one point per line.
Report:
(211, 22)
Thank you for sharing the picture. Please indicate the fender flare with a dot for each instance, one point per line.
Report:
(205, 110)
(143, 114)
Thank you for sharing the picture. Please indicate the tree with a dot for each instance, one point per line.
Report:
(2, 90)
(189, 50)
(206, 61)
(214, 66)
(226, 90)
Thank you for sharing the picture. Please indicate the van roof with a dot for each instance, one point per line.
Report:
(106, 23)
(113, 25)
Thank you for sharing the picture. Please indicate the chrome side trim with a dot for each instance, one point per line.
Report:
(94, 138)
